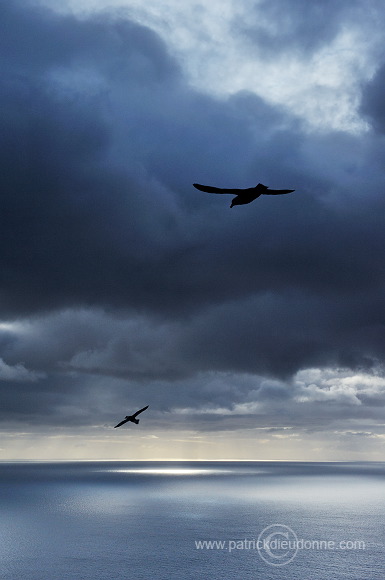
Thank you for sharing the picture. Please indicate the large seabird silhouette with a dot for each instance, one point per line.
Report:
(244, 195)
(131, 418)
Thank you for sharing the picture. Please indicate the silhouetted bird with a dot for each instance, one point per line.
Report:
(244, 195)
(131, 418)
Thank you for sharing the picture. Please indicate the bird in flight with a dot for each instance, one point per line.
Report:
(131, 418)
(244, 195)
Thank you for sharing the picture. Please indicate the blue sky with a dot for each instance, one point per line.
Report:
(252, 333)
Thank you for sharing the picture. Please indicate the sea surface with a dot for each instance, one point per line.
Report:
(192, 520)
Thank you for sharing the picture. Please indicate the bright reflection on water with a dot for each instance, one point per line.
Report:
(169, 471)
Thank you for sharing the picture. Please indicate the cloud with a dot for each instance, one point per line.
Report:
(279, 27)
(120, 281)
(372, 105)
(17, 372)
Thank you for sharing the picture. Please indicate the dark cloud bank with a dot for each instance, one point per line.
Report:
(123, 271)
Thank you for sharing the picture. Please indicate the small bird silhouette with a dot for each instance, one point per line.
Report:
(243, 195)
(131, 418)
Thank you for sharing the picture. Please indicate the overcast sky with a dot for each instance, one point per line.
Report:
(253, 332)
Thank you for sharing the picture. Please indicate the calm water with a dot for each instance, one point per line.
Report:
(143, 520)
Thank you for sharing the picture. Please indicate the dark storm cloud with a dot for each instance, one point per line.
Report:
(93, 364)
(372, 104)
(62, 202)
(100, 143)
(101, 138)
(98, 206)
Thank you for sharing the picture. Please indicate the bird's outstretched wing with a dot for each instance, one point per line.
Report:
(121, 423)
(210, 189)
(140, 411)
(277, 191)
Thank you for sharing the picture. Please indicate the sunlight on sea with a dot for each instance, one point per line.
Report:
(173, 520)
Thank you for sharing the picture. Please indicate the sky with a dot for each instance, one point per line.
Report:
(256, 332)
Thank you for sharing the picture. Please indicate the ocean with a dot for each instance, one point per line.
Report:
(217, 520)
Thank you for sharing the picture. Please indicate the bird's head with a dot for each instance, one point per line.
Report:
(236, 201)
